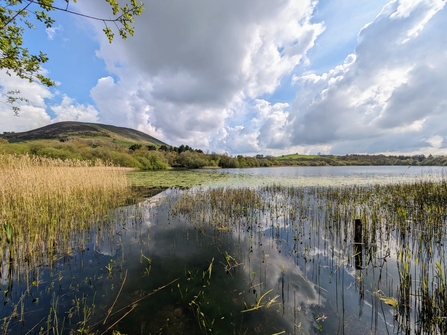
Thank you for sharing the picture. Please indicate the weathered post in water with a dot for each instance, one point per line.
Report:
(358, 244)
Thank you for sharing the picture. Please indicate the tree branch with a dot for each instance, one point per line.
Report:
(66, 10)
(15, 16)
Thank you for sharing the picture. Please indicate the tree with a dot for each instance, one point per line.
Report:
(134, 147)
(15, 18)
(163, 148)
(151, 147)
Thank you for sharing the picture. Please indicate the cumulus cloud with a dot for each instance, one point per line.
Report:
(69, 110)
(34, 109)
(261, 131)
(32, 112)
(191, 66)
(213, 75)
(201, 73)
(389, 95)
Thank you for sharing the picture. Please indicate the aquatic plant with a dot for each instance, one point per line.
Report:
(46, 204)
(367, 227)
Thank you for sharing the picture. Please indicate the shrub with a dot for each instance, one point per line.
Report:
(191, 160)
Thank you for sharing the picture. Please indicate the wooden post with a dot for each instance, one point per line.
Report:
(358, 244)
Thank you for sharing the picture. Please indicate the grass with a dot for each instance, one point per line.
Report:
(45, 203)
(403, 223)
(297, 156)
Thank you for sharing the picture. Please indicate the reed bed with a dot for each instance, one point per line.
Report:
(45, 204)
(400, 226)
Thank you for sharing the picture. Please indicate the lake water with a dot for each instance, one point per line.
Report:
(325, 175)
(294, 175)
(266, 253)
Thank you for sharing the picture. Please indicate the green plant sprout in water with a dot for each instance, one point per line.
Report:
(147, 269)
(205, 325)
(109, 267)
(230, 264)
(259, 304)
(391, 301)
(209, 270)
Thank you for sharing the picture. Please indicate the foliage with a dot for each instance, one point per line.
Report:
(149, 157)
(356, 159)
(131, 148)
(134, 147)
(191, 160)
(17, 15)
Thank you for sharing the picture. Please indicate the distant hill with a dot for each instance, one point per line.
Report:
(69, 130)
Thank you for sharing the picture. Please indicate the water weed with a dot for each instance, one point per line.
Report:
(392, 236)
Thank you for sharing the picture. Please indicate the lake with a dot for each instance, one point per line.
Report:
(327, 175)
(284, 250)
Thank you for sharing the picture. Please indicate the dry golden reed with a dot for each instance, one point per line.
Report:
(46, 203)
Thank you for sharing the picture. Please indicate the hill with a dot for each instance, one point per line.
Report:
(69, 130)
(132, 148)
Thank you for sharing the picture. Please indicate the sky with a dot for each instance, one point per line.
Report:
(251, 77)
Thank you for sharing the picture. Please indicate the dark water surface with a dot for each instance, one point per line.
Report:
(289, 265)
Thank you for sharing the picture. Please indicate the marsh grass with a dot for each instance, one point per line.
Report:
(46, 204)
(403, 224)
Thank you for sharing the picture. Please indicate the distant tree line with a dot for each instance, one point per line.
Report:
(357, 159)
(151, 157)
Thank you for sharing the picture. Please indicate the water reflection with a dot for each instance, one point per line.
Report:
(268, 260)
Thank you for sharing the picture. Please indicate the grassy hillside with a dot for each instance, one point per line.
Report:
(88, 142)
(69, 130)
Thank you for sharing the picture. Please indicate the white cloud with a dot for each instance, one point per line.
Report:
(191, 66)
(32, 113)
(33, 92)
(263, 133)
(212, 75)
(201, 73)
(236, 140)
(52, 31)
(406, 8)
(390, 97)
(69, 110)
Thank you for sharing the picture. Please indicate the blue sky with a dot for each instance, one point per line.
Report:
(271, 77)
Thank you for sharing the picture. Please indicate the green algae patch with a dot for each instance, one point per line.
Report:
(175, 178)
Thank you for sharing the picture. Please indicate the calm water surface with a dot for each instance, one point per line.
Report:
(285, 266)
(325, 175)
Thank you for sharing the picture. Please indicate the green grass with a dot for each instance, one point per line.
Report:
(297, 156)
